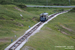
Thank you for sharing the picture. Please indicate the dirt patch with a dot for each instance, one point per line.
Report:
(19, 24)
(13, 31)
(34, 18)
(18, 9)
(1, 26)
(4, 39)
(28, 48)
(12, 19)
(41, 30)
(66, 28)
(48, 28)
(64, 33)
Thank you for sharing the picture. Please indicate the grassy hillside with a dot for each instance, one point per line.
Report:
(58, 34)
(11, 23)
(39, 2)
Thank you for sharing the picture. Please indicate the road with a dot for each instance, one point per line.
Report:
(51, 6)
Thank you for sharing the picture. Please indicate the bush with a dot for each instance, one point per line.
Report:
(22, 6)
(73, 10)
(5, 2)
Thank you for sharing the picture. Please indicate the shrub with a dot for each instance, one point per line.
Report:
(22, 6)
(5, 2)
(73, 10)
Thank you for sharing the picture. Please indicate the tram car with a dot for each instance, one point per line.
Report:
(43, 17)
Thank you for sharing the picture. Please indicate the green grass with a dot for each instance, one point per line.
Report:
(66, 20)
(11, 23)
(50, 35)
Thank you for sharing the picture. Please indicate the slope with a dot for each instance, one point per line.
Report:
(12, 25)
(58, 34)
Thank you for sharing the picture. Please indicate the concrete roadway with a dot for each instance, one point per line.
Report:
(51, 6)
